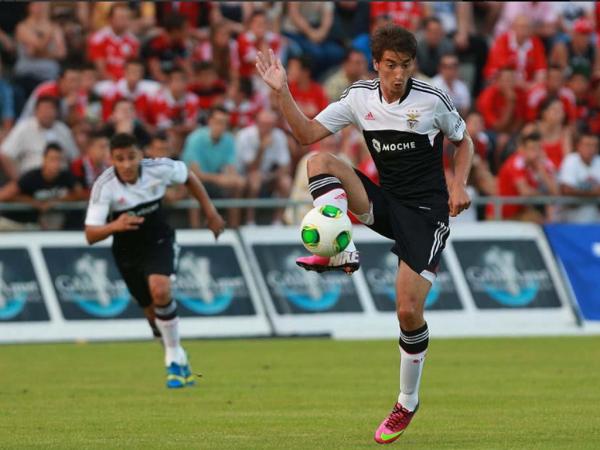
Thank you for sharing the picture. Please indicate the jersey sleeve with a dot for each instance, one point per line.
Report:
(447, 119)
(337, 115)
(173, 172)
(99, 205)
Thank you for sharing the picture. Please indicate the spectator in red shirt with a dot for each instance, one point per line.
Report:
(174, 109)
(124, 120)
(553, 86)
(502, 105)
(593, 117)
(110, 47)
(221, 50)
(518, 47)
(207, 85)
(406, 14)
(309, 95)
(557, 140)
(90, 166)
(242, 104)
(67, 90)
(257, 38)
(168, 49)
(131, 87)
(526, 173)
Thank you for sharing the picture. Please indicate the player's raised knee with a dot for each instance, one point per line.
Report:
(409, 316)
(160, 290)
(322, 163)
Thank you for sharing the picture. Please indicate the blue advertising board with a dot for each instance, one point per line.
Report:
(578, 248)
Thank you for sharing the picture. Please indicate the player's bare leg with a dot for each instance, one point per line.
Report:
(331, 181)
(167, 321)
(411, 291)
(151, 318)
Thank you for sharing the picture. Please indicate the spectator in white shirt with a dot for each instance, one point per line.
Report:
(23, 148)
(447, 80)
(579, 176)
(264, 157)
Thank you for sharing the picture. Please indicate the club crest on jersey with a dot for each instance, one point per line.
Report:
(412, 119)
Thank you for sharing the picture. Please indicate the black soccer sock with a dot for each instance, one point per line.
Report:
(415, 341)
(323, 183)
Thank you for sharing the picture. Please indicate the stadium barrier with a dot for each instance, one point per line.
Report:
(496, 278)
(54, 287)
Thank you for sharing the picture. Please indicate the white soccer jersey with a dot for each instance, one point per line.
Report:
(143, 198)
(404, 137)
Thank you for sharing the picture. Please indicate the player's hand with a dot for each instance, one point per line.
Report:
(216, 224)
(271, 70)
(459, 199)
(126, 222)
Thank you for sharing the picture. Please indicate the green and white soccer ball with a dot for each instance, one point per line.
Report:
(326, 230)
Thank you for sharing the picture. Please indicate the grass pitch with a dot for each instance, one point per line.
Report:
(301, 394)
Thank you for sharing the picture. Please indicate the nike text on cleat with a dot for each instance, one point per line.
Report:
(345, 261)
(394, 425)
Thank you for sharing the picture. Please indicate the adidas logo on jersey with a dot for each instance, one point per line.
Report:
(369, 116)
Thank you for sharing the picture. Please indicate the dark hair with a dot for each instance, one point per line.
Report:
(246, 86)
(52, 147)
(159, 136)
(120, 100)
(256, 13)
(584, 132)
(305, 61)
(87, 65)
(350, 52)
(431, 19)
(546, 104)
(95, 135)
(200, 66)
(137, 61)
(217, 108)
(174, 22)
(68, 67)
(394, 38)
(174, 70)
(123, 140)
(533, 136)
(115, 6)
(46, 99)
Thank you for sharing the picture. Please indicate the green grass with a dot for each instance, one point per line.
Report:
(301, 394)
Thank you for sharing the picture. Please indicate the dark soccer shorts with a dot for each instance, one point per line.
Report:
(136, 266)
(419, 233)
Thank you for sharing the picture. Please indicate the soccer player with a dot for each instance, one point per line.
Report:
(403, 121)
(143, 243)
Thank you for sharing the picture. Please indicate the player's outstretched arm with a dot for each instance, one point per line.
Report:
(125, 222)
(306, 131)
(459, 199)
(214, 221)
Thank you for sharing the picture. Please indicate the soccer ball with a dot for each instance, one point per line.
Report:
(326, 230)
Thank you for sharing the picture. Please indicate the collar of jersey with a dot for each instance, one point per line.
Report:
(131, 184)
(406, 92)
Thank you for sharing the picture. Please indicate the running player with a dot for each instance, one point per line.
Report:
(403, 121)
(143, 243)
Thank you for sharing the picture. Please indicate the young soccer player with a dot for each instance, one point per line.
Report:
(403, 121)
(143, 243)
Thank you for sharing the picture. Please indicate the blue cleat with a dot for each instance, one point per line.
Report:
(176, 376)
(190, 379)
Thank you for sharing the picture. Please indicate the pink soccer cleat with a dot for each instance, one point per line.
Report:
(394, 425)
(345, 261)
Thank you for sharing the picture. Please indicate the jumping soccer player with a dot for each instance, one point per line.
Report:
(143, 243)
(403, 121)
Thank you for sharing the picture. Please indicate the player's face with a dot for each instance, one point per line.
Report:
(394, 71)
(127, 163)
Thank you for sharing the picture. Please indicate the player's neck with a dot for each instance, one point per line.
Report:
(390, 97)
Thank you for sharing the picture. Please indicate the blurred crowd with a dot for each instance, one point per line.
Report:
(180, 76)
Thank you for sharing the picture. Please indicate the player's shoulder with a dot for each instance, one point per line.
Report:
(102, 184)
(429, 92)
(105, 177)
(360, 88)
(151, 163)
